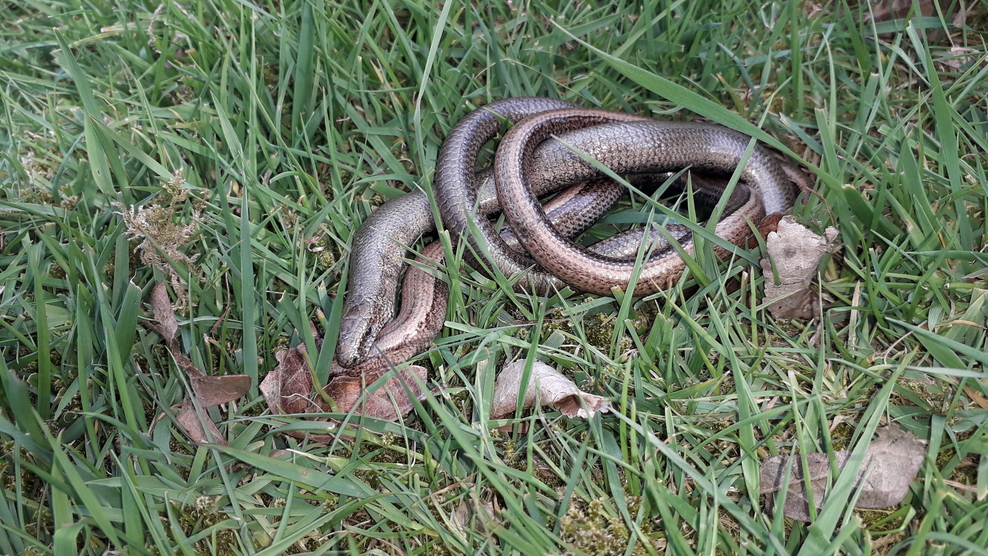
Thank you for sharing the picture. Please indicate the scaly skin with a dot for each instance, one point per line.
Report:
(463, 196)
(625, 146)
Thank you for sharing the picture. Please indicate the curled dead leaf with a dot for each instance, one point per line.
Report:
(546, 386)
(891, 462)
(161, 306)
(215, 390)
(476, 515)
(288, 389)
(192, 421)
(207, 391)
(389, 402)
(796, 253)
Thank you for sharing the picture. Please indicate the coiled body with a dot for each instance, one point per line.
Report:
(625, 147)
(529, 164)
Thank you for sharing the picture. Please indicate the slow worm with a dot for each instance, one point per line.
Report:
(465, 196)
(626, 146)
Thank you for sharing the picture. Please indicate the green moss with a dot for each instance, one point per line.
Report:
(202, 514)
(877, 521)
(842, 434)
(595, 527)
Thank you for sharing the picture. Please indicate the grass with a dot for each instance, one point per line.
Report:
(258, 136)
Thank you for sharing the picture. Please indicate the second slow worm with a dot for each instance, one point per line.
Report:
(627, 147)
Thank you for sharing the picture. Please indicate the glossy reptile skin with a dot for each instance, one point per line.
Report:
(457, 187)
(379, 246)
(378, 252)
(423, 312)
(380, 243)
(626, 146)
(424, 296)
(378, 256)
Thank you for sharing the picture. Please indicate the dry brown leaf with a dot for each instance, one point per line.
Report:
(214, 390)
(388, 402)
(546, 386)
(960, 18)
(161, 305)
(796, 252)
(475, 515)
(192, 422)
(167, 325)
(890, 10)
(208, 390)
(288, 389)
(890, 464)
(976, 397)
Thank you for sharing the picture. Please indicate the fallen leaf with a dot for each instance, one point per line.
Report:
(891, 462)
(389, 402)
(797, 253)
(215, 390)
(161, 306)
(976, 397)
(192, 421)
(288, 389)
(546, 386)
(166, 324)
(206, 390)
(475, 515)
(890, 10)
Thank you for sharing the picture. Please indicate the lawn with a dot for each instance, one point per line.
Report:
(230, 149)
